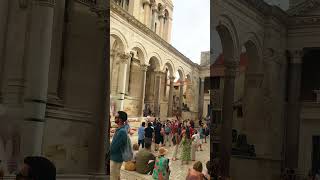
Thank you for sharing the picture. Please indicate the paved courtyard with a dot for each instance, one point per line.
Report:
(178, 171)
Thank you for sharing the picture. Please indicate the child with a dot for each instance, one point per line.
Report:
(131, 165)
(161, 169)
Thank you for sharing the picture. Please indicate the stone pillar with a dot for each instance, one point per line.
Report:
(37, 70)
(147, 9)
(57, 48)
(157, 93)
(201, 98)
(123, 60)
(170, 104)
(293, 110)
(153, 9)
(181, 97)
(128, 76)
(227, 114)
(4, 6)
(144, 69)
(161, 19)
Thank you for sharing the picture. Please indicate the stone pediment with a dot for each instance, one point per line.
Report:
(306, 8)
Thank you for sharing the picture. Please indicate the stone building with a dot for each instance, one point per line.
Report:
(145, 67)
(280, 102)
(53, 80)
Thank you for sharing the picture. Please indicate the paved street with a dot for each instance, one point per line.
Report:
(178, 171)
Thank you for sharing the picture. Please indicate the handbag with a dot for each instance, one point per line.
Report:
(127, 153)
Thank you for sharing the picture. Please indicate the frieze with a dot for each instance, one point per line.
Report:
(267, 10)
(303, 21)
(47, 3)
(303, 7)
(133, 21)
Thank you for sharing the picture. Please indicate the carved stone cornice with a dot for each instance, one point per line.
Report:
(147, 31)
(46, 3)
(304, 21)
(265, 9)
(303, 7)
(87, 2)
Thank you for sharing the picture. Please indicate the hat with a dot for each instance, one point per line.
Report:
(162, 151)
(123, 115)
(41, 168)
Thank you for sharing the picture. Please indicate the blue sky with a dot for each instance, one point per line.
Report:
(191, 27)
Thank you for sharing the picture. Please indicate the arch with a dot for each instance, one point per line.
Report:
(154, 63)
(229, 38)
(168, 63)
(254, 52)
(158, 59)
(138, 46)
(181, 73)
(118, 35)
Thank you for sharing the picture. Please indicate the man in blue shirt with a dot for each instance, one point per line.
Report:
(141, 134)
(118, 143)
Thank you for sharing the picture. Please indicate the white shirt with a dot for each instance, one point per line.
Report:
(196, 138)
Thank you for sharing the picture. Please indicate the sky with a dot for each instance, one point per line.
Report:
(191, 27)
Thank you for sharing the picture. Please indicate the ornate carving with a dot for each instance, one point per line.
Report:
(47, 3)
(303, 21)
(124, 58)
(172, 78)
(296, 56)
(146, 2)
(303, 7)
(144, 67)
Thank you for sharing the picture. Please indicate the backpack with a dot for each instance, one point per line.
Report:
(127, 153)
(168, 130)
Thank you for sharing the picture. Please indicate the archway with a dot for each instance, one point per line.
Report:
(152, 88)
(117, 48)
(229, 42)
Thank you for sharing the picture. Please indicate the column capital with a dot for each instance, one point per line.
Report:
(296, 56)
(172, 78)
(230, 68)
(124, 58)
(146, 2)
(144, 67)
(202, 79)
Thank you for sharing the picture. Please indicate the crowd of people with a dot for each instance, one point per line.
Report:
(180, 134)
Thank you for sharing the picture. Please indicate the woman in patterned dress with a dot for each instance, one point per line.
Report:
(186, 149)
(161, 170)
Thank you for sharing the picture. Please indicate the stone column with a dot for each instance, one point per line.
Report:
(153, 9)
(201, 98)
(4, 6)
(37, 69)
(128, 76)
(293, 110)
(157, 94)
(146, 5)
(170, 104)
(227, 114)
(57, 48)
(161, 19)
(181, 97)
(123, 60)
(144, 69)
